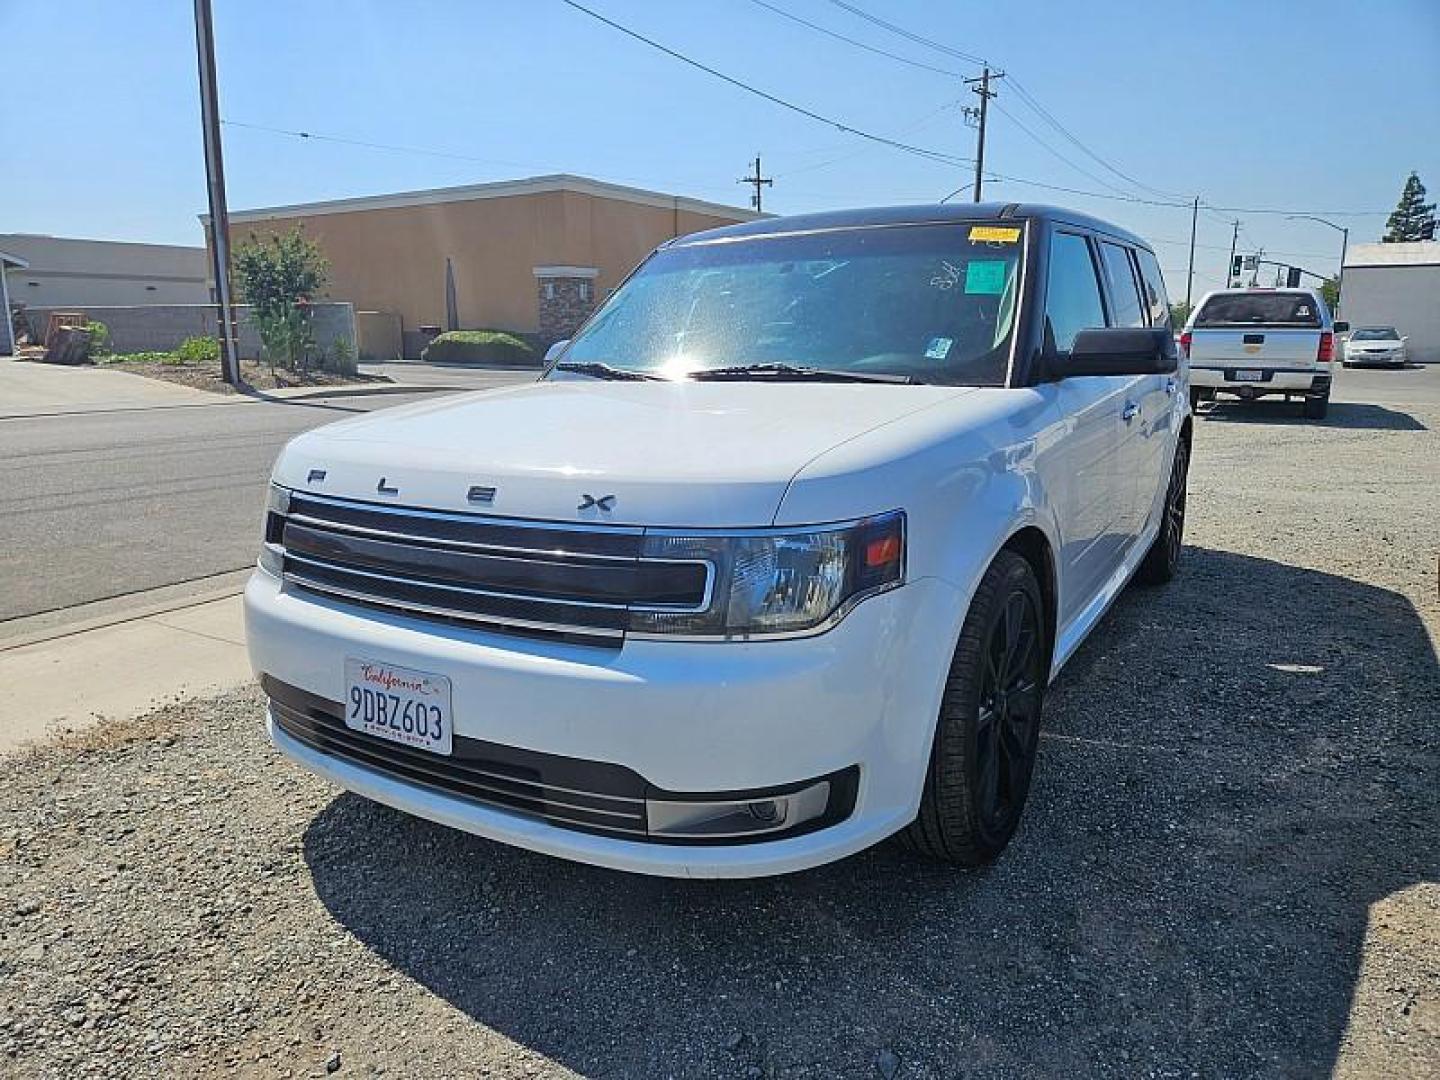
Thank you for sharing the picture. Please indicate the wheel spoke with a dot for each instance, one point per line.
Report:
(990, 779)
(1022, 700)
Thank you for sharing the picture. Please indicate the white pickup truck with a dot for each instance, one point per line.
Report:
(776, 560)
(1257, 342)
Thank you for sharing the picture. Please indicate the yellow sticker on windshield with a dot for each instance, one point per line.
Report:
(994, 234)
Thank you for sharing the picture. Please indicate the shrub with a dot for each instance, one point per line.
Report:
(199, 350)
(99, 338)
(480, 347)
(342, 357)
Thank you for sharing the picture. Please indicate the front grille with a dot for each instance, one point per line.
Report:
(516, 576)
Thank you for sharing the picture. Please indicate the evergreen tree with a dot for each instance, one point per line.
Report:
(1414, 218)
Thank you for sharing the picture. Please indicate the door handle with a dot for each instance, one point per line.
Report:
(1130, 411)
(1170, 386)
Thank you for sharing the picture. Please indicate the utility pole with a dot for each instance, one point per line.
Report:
(1190, 277)
(215, 184)
(1255, 274)
(981, 86)
(1230, 266)
(759, 181)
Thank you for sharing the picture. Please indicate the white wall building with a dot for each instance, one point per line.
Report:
(1396, 285)
(64, 272)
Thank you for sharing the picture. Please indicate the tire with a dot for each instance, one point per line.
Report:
(985, 739)
(1315, 408)
(1163, 559)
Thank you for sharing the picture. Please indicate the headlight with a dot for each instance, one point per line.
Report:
(277, 505)
(778, 582)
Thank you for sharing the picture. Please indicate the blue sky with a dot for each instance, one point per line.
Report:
(1315, 106)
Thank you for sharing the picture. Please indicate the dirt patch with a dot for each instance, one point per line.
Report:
(256, 376)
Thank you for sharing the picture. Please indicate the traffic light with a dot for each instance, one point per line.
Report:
(1235, 265)
(1292, 277)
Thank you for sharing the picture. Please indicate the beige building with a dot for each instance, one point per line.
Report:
(530, 256)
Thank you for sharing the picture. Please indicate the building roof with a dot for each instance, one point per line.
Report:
(1409, 253)
(931, 214)
(6, 259)
(535, 185)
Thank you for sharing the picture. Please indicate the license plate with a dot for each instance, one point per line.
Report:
(405, 706)
(1249, 376)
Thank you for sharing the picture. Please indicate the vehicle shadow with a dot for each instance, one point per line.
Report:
(1234, 768)
(1341, 414)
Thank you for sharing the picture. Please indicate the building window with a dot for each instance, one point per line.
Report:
(549, 290)
(586, 291)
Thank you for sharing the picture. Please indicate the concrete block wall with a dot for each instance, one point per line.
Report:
(162, 327)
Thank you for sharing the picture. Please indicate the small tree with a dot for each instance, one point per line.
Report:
(278, 276)
(1330, 292)
(1180, 314)
(1414, 218)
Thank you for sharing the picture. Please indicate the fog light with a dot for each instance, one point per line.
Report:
(718, 819)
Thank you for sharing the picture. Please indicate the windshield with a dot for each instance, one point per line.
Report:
(920, 303)
(1375, 333)
(1259, 309)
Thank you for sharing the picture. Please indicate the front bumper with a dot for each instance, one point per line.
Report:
(1362, 359)
(687, 717)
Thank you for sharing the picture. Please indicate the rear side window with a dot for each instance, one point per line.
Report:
(1156, 299)
(1124, 293)
(1072, 291)
(1260, 309)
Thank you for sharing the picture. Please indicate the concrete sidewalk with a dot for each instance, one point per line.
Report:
(74, 678)
(28, 388)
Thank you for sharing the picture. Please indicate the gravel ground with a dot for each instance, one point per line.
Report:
(1230, 865)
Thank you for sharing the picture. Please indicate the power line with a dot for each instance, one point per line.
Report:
(919, 151)
(1049, 118)
(1045, 145)
(1025, 94)
(971, 58)
(852, 41)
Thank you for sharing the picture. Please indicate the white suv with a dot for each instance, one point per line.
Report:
(775, 561)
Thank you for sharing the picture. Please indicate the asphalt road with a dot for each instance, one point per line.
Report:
(98, 505)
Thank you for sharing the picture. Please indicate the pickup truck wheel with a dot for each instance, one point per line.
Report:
(984, 749)
(1315, 408)
(1163, 559)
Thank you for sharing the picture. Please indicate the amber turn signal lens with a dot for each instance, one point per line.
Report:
(882, 552)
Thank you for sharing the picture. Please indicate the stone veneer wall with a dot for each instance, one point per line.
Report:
(562, 306)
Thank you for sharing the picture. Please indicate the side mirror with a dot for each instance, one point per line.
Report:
(1342, 328)
(555, 350)
(1118, 350)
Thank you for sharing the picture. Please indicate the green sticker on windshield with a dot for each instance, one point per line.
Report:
(985, 277)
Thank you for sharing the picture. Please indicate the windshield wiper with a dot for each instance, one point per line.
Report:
(791, 371)
(597, 370)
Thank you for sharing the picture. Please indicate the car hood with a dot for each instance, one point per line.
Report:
(670, 453)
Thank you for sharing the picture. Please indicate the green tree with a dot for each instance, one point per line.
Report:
(278, 276)
(1180, 313)
(1330, 292)
(1414, 218)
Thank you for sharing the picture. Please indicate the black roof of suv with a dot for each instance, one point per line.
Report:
(934, 214)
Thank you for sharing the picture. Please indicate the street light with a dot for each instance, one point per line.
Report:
(1344, 247)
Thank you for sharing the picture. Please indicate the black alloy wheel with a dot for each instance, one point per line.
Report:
(1008, 715)
(983, 754)
(1163, 559)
